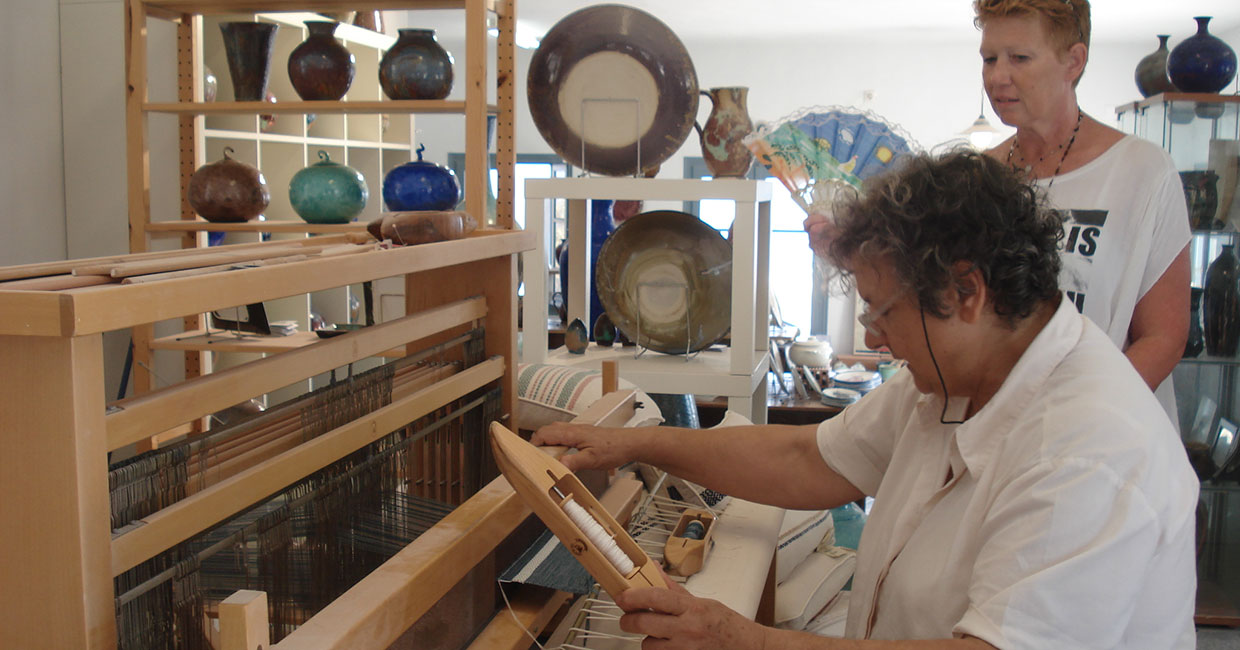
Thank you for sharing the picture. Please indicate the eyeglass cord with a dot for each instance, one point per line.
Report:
(926, 333)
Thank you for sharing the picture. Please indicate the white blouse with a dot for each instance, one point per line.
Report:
(1061, 515)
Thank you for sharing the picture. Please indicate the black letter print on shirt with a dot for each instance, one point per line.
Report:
(1082, 237)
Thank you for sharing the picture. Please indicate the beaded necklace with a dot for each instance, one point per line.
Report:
(1028, 169)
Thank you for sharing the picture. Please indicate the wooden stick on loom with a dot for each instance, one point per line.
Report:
(42, 269)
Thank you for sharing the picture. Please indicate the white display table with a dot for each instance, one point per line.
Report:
(739, 371)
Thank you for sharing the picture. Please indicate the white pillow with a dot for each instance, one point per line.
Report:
(812, 586)
(801, 533)
(549, 393)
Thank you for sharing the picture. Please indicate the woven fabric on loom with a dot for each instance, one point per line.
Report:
(546, 563)
(559, 386)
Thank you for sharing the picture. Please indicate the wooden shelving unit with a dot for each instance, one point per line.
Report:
(353, 130)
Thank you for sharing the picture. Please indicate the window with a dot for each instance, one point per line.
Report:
(792, 262)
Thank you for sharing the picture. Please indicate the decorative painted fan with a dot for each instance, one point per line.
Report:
(818, 151)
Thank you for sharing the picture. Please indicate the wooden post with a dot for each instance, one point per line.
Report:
(55, 580)
(243, 621)
(505, 98)
(477, 158)
(611, 376)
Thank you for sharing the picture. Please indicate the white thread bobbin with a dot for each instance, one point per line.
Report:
(598, 536)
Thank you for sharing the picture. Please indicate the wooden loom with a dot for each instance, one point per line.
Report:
(56, 586)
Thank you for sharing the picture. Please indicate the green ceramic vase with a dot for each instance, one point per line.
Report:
(328, 192)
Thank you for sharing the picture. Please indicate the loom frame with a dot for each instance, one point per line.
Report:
(56, 585)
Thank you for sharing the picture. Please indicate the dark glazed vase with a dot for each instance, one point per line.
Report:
(416, 67)
(1221, 305)
(1151, 74)
(1201, 196)
(228, 191)
(420, 185)
(1201, 63)
(247, 45)
(604, 330)
(321, 67)
(1195, 344)
(576, 338)
(725, 154)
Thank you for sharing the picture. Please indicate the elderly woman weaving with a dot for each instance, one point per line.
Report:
(1029, 492)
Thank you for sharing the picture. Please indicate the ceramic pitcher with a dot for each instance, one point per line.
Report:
(726, 156)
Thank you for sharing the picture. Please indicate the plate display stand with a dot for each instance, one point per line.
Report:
(738, 371)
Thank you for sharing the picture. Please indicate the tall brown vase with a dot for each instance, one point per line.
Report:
(725, 154)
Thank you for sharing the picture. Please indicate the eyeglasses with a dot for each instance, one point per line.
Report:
(869, 317)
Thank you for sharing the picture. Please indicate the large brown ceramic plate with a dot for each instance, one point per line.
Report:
(665, 279)
(622, 74)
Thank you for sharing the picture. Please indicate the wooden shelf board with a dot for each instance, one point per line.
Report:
(228, 134)
(206, 7)
(1214, 607)
(424, 106)
(77, 312)
(1208, 98)
(255, 226)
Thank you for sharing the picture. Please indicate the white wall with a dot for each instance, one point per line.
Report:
(932, 89)
(31, 168)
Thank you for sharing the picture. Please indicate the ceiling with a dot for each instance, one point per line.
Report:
(694, 20)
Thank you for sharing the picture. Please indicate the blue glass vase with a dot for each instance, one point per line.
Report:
(1201, 63)
(602, 224)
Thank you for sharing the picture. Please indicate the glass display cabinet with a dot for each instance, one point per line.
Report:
(1201, 131)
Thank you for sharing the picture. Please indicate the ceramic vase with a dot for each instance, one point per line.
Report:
(372, 20)
(328, 192)
(228, 191)
(420, 185)
(604, 331)
(1221, 305)
(1151, 75)
(1201, 197)
(602, 225)
(1201, 63)
(1195, 343)
(247, 46)
(321, 68)
(722, 148)
(416, 67)
(576, 338)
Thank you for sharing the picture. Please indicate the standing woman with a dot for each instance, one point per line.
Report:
(1126, 232)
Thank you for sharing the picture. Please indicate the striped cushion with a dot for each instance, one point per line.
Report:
(549, 393)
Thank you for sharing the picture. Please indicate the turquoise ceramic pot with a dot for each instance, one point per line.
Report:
(328, 192)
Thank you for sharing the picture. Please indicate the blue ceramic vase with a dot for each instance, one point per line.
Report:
(420, 185)
(1201, 63)
(602, 224)
(328, 192)
(416, 67)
